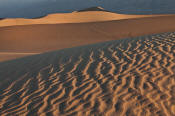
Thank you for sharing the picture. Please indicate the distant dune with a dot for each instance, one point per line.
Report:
(93, 9)
(133, 76)
(41, 38)
(89, 15)
(48, 37)
(21, 37)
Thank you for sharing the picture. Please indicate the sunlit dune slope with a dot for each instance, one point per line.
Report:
(41, 38)
(21, 37)
(75, 17)
(123, 77)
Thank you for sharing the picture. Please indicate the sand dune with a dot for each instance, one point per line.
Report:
(89, 15)
(123, 77)
(4, 56)
(93, 9)
(41, 38)
(58, 31)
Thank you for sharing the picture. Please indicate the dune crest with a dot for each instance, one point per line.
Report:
(75, 17)
(48, 37)
(122, 77)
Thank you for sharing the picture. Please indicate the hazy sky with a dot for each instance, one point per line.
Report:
(37, 8)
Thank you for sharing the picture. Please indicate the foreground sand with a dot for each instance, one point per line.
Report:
(123, 77)
(48, 37)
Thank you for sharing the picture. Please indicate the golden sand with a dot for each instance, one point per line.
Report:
(117, 78)
(38, 38)
(75, 17)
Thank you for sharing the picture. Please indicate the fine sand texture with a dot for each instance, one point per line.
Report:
(125, 77)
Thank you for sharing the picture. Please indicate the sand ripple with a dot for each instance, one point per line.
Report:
(118, 78)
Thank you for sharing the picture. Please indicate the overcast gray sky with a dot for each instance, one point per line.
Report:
(37, 8)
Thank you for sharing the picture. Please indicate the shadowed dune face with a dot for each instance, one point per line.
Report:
(122, 77)
(4, 56)
(92, 9)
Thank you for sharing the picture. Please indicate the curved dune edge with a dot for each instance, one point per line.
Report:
(122, 77)
(5, 56)
(48, 37)
(75, 17)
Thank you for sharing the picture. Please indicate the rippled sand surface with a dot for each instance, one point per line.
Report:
(125, 77)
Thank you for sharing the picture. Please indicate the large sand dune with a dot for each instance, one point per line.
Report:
(125, 77)
(47, 37)
(75, 17)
